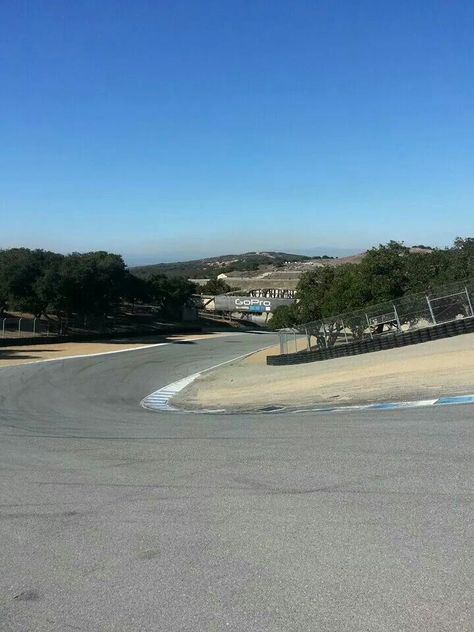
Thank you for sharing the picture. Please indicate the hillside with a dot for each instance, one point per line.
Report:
(211, 266)
(269, 264)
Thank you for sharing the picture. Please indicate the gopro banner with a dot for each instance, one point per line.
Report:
(249, 304)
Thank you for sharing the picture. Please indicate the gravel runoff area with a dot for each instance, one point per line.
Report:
(427, 370)
(25, 354)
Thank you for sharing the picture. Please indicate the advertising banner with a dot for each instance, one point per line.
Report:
(249, 303)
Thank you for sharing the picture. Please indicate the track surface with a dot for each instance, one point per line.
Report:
(117, 518)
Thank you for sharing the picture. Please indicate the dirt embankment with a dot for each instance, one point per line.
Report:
(422, 371)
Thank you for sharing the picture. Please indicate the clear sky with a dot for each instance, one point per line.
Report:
(168, 129)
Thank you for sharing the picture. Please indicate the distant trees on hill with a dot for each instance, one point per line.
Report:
(94, 283)
(215, 286)
(386, 273)
(211, 267)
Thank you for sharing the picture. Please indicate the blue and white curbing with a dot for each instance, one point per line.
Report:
(160, 400)
(440, 401)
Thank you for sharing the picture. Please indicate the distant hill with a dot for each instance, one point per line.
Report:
(211, 266)
(250, 264)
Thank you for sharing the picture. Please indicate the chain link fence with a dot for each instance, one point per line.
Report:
(30, 327)
(11, 327)
(446, 304)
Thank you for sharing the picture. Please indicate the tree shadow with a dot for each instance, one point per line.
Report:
(183, 342)
(6, 354)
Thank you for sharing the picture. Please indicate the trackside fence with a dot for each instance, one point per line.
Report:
(447, 311)
(27, 328)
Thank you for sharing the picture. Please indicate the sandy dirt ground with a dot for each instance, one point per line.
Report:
(34, 353)
(420, 371)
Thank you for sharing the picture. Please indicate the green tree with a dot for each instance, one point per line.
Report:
(171, 294)
(348, 291)
(137, 289)
(463, 258)
(312, 290)
(384, 272)
(284, 316)
(92, 283)
(216, 286)
(22, 272)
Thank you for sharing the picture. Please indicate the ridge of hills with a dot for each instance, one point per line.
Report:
(248, 264)
(210, 266)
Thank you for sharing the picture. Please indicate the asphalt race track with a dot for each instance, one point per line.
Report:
(113, 517)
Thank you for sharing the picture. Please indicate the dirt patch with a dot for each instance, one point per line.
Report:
(426, 370)
(33, 353)
(261, 356)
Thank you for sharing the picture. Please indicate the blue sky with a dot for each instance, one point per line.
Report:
(174, 129)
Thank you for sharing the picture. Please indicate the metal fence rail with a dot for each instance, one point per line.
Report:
(446, 304)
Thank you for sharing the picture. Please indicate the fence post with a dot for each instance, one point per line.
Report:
(469, 301)
(308, 339)
(3, 327)
(396, 316)
(325, 333)
(282, 344)
(431, 311)
(344, 330)
(368, 323)
(34, 326)
(19, 327)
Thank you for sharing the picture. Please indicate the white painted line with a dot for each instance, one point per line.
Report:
(84, 355)
(421, 402)
(159, 400)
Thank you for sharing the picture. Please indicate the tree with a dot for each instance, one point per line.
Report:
(347, 291)
(384, 272)
(137, 290)
(48, 287)
(179, 292)
(171, 294)
(312, 289)
(21, 277)
(91, 283)
(463, 257)
(216, 286)
(428, 270)
(284, 316)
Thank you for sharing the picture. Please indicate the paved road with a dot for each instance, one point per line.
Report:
(117, 518)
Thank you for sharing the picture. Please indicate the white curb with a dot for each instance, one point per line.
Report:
(159, 400)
